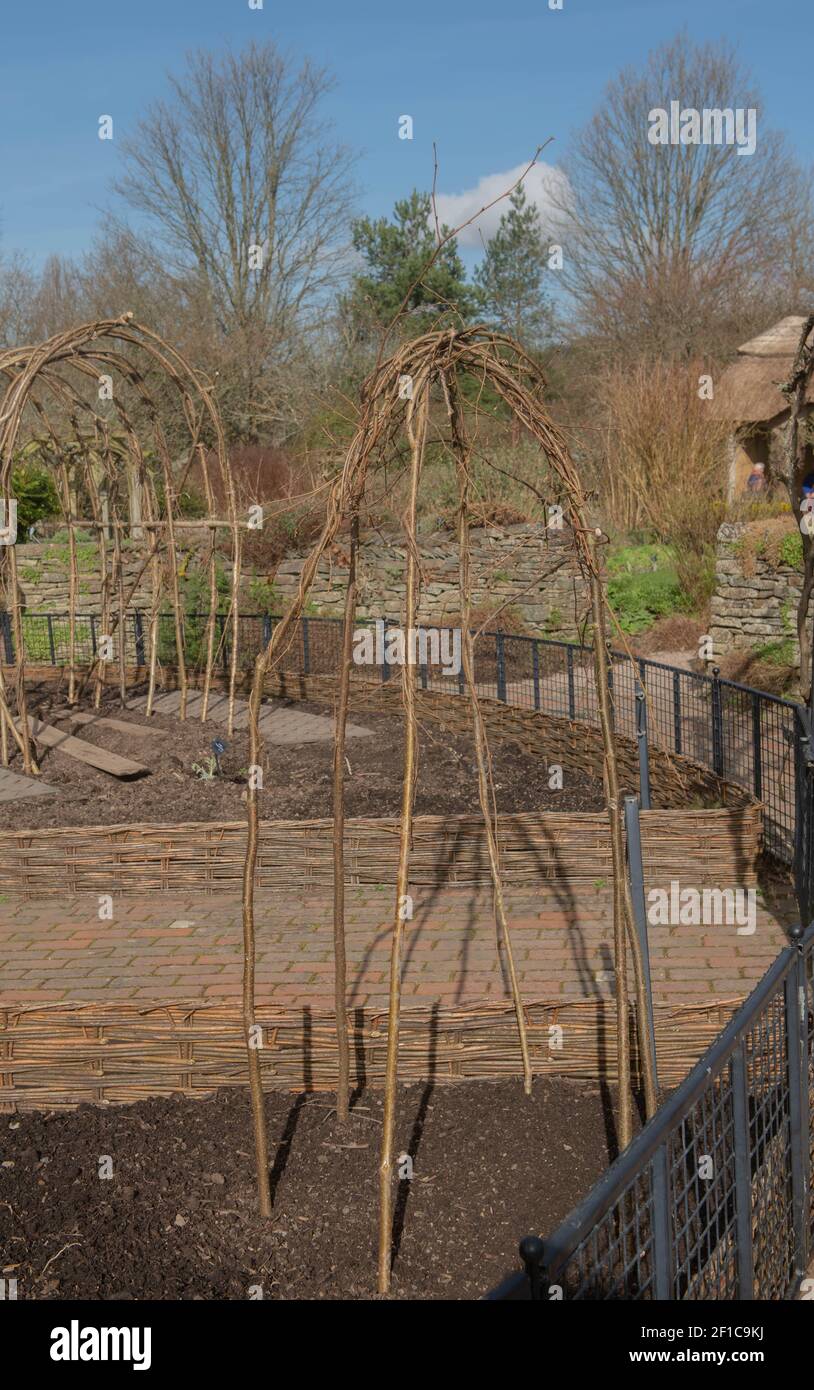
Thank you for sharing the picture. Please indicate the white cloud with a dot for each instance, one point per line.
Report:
(540, 182)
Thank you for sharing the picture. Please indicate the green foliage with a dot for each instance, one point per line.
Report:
(791, 550)
(194, 588)
(639, 557)
(37, 497)
(37, 641)
(638, 597)
(780, 653)
(395, 254)
(264, 597)
(696, 575)
(510, 276)
(206, 770)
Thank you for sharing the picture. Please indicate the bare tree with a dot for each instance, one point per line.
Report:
(246, 200)
(672, 246)
(18, 287)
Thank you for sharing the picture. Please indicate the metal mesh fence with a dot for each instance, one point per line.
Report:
(711, 1200)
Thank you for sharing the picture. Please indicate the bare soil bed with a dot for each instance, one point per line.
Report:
(298, 777)
(178, 1218)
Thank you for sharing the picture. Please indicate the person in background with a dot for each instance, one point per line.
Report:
(756, 482)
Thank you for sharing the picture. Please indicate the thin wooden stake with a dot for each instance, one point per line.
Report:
(417, 437)
(340, 964)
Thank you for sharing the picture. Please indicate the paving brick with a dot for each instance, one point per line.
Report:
(53, 951)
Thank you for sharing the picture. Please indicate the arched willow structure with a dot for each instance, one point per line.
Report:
(450, 367)
(85, 405)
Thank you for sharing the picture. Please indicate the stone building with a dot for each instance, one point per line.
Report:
(748, 394)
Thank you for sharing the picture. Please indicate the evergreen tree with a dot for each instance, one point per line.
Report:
(510, 276)
(395, 253)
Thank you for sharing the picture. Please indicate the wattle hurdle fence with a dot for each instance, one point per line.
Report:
(712, 1199)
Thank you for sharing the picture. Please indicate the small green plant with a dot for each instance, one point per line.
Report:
(780, 653)
(639, 598)
(263, 595)
(206, 770)
(791, 550)
(36, 495)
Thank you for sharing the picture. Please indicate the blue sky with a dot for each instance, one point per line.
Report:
(487, 81)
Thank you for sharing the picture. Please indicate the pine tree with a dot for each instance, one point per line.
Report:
(510, 276)
(395, 253)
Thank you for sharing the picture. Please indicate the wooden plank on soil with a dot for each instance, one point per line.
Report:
(14, 786)
(84, 752)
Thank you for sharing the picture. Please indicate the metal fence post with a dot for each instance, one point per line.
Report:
(677, 711)
(532, 1253)
(799, 1138)
(500, 660)
(8, 639)
(633, 836)
(803, 810)
(717, 724)
(382, 624)
(535, 666)
(610, 683)
(93, 634)
(743, 1172)
(266, 630)
(572, 694)
(52, 649)
(757, 761)
(662, 1224)
(641, 739)
(804, 1004)
(306, 647)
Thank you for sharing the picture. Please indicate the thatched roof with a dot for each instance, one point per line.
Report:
(749, 392)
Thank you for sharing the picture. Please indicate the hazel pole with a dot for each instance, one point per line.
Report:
(528, 409)
(486, 794)
(614, 817)
(213, 586)
(340, 963)
(261, 667)
(29, 762)
(101, 541)
(172, 555)
(118, 566)
(73, 581)
(151, 508)
(417, 436)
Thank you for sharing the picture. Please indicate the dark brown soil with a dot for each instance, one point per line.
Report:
(298, 778)
(177, 1219)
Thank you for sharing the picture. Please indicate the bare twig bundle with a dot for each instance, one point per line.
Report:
(395, 397)
(46, 381)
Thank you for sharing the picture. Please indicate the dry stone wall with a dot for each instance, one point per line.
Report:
(530, 570)
(755, 599)
(508, 565)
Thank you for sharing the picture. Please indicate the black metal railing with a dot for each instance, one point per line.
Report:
(743, 734)
(712, 1199)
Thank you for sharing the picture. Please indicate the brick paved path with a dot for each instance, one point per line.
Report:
(53, 951)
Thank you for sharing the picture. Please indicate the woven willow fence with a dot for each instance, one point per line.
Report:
(60, 1055)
